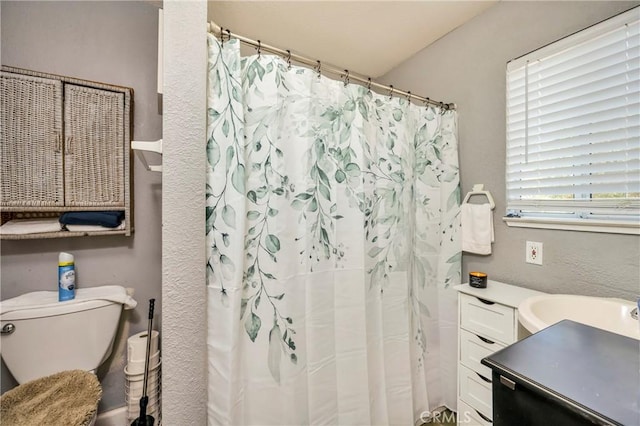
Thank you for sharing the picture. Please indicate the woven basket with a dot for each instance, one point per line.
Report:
(30, 141)
(66, 153)
(94, 147)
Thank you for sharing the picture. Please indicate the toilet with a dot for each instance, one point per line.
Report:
(41, 336)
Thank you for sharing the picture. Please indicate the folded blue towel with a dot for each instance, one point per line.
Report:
(110, 219)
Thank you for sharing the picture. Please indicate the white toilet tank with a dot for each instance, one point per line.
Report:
(51, 336)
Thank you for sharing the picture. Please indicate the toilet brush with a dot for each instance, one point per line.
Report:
(144, 419)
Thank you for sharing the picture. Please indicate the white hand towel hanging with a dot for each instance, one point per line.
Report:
(477, 228)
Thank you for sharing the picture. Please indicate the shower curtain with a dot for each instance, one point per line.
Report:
(332, 223)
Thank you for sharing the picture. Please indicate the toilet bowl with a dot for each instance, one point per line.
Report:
(41, 336)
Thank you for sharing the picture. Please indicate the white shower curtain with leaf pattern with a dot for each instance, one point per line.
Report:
(332, 245)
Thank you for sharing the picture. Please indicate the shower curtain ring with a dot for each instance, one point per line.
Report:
(288, 59)
(346, 78)
(259, 49)
(409, 95)
(426, 102)
(390, 91)
(318, 69)
(369, 84)
(222, 30)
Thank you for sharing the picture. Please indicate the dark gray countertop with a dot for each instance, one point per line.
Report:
(589, 369)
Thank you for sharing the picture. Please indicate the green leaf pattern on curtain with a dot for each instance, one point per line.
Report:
(278, 155)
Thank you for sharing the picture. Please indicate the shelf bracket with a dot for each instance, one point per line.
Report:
(151, 146)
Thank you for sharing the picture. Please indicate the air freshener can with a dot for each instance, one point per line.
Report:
(66, 277)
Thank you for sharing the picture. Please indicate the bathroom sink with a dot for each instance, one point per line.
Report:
(613, 315)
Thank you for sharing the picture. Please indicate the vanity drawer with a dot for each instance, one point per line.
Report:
(475, 390)
(468, 416)
(487, 319)
(473, 348)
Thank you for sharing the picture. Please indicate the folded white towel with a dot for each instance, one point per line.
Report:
(30, 226)
(41, 299)
(90, 228)
(477, 228)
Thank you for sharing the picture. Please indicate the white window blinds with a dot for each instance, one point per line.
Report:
(573, 125)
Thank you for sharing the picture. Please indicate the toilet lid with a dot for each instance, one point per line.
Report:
(66, 398)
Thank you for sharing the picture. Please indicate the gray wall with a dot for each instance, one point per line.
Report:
(467, 67)
(111, 42)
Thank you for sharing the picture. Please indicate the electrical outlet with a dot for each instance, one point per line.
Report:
(534, 252)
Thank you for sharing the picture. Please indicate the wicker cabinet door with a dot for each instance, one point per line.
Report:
(30, 141)
(94, 147)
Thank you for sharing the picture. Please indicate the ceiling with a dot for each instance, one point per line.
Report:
(366, 37)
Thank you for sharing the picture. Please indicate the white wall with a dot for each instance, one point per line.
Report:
(110, 42)
(467, 67)
(184, 366)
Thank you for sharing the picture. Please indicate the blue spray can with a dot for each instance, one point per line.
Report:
(66, 277)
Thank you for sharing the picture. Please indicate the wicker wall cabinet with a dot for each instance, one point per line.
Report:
(64, 146)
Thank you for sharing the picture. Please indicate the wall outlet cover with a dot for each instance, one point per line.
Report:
(533, 252)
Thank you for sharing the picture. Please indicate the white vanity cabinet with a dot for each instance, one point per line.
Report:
(488, 322)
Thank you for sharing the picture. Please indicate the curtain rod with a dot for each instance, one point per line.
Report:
(346, 76)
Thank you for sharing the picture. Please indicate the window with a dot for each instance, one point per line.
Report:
(573, 131)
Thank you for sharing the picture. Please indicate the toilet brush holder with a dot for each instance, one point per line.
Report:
(144, 419)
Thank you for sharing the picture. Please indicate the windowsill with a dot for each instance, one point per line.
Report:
(584, 225)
